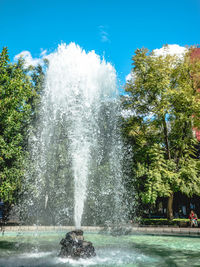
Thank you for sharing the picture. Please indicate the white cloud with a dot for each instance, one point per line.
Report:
(130, 77)
(164, 51)
(171, 50)
(29, 60)
(103, 34)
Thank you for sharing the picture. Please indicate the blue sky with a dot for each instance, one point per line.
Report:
(113, 28)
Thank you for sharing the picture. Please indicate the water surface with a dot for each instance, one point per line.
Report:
(41, 249)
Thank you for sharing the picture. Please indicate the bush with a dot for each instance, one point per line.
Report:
(174, 222)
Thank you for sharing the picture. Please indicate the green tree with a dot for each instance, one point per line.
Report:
(165, 107)
(16, 97)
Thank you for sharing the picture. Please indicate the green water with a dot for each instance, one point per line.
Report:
(41, 250)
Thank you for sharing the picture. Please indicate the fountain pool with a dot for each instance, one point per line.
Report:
(42, 248)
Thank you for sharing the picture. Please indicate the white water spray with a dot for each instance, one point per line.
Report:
(78, 85)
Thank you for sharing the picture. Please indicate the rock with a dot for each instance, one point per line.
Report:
(74, 246)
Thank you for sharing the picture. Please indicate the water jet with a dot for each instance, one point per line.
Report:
(75, 175)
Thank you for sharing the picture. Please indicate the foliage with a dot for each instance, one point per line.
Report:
(158, 222)
(17, 97)
(163, 101)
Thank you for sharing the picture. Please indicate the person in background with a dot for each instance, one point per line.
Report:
(193, 219)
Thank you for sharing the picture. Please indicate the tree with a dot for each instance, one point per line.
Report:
(164, 104)
(16, 97)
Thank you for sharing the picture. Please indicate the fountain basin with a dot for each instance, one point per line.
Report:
(42, 249)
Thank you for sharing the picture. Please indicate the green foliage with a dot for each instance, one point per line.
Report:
(157, 222)
(17, 94)
(165, 107)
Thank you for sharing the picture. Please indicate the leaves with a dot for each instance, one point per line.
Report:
(16, 94)
(163, 106)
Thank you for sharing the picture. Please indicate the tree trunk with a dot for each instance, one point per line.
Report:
(170, 198)
(166, 138)
(170, 207)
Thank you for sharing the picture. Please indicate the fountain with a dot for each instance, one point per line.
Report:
(75, 148)
(76, 152)
(75, 177)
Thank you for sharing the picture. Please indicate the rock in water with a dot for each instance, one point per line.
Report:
(74, 246)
